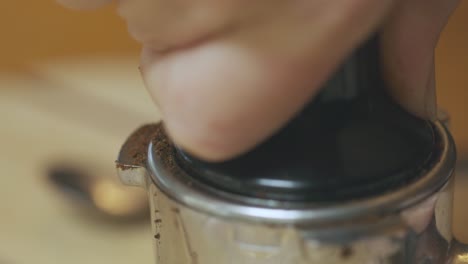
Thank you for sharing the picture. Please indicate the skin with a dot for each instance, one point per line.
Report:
(227, 74)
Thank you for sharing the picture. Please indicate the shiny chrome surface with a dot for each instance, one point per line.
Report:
(194, 224)
(419, 235)
(215, 202)
(458, 253)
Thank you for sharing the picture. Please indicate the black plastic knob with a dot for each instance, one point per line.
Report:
(351, 141)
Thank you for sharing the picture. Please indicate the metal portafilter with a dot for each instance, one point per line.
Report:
(353, 178)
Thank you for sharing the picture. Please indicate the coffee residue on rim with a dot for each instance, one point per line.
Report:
(136, 147)
(163, 147)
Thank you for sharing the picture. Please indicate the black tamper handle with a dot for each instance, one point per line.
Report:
(352, 140)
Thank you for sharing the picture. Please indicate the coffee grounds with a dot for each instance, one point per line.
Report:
(163, 147)
(136, 146)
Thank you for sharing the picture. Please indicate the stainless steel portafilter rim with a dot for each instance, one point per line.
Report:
(182, 188)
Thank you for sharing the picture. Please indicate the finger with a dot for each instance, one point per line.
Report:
(409, 39)
(165, 24)
(222, 97)
(83, 4)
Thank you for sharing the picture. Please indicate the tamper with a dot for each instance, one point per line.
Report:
(352, 179)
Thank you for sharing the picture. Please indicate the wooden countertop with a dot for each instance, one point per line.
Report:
(66, 112)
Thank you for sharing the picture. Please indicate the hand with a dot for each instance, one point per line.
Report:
(229, 73)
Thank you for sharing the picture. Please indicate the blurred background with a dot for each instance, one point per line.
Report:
(70, 93)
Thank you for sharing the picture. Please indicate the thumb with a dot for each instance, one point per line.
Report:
(223, 96)
(409, 39)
